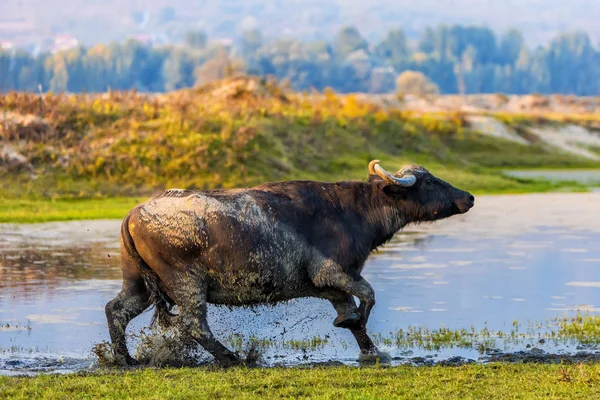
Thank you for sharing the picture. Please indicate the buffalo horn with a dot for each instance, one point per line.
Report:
(404, 181)
(372, 167)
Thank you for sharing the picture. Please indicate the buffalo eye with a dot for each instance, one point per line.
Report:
(429, 181)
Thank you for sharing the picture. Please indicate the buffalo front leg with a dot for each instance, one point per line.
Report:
(345, 305)
(193, 322)
(131, 301)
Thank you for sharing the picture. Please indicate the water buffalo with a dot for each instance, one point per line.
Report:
(266, 244)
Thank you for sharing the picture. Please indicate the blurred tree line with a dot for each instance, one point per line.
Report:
(455, 59)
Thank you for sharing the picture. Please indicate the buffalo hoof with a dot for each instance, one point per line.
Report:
(230, 360)
(349, 321)
(375, 356)
(132, 362)
(125, 361)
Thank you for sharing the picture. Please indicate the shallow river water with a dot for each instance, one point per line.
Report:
(520, 258)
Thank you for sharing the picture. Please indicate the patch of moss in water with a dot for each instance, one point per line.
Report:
(14, 326)
(238, 343)
(424, 338)
(581, 328)
(14, 349)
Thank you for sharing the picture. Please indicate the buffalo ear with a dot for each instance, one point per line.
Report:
(395, 192)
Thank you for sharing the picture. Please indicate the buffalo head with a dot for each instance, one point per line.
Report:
(422, 196)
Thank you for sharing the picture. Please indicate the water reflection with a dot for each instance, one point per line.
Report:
(586, 177)
(526, 258)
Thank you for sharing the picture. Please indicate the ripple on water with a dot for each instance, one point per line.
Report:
(461, 263)
(531, 245)
(454, 250)
(584, 284)
(418, 266)
(406, 309)
(53, 318)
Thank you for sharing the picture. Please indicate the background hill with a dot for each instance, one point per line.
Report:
(243, 131)
(91, 22)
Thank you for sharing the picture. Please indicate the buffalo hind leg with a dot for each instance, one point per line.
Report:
(131, 301)
(345, 305)
(193, 321)
(363, 290)
(348, 315)
(331, 275)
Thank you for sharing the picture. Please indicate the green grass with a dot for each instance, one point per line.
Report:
(497, 381)
(27, 211)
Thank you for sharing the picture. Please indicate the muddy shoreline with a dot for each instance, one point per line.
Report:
(534, 356)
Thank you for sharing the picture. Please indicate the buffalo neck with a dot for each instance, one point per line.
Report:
(381, 214)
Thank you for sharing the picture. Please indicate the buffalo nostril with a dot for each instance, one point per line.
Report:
(472, 199)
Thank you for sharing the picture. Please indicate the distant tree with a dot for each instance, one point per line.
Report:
(413, 82)
(570, 58)
(463, 59)
(511, 45)
(427, 41)
(96, 64)
(395, 48)
(463, 69)
(60, 74)
(5, 79)
(347, 41)
(539, 75)
(20, 60)
(459, 38)
(177, 70)
(196, 39)
(250, 41)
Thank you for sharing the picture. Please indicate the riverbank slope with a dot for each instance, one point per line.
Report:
(96, 155)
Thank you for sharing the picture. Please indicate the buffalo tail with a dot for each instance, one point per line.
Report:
(158, 297)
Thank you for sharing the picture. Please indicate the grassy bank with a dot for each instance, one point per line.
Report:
(238, 132)
(28, 211)
(498, 381)
(33, 210)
